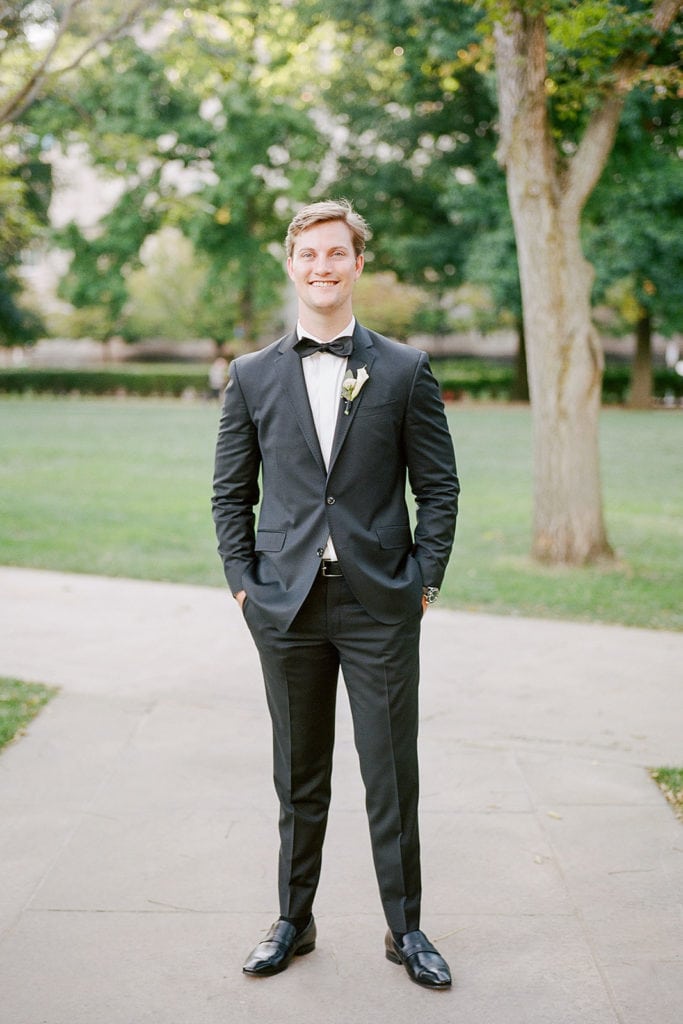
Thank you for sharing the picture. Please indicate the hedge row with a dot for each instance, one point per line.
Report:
(616, 383)
(487, 380)
(456, 377)
(158, 380)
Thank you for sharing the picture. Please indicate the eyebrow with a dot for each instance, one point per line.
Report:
(331, 248)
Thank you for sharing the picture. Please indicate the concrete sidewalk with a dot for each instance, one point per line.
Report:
(138, 840)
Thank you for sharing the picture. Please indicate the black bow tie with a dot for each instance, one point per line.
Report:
(342, 347)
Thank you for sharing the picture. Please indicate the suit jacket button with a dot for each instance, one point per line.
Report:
(330, 501)
(320, 552)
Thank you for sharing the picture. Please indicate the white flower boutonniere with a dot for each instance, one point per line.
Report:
(352, 386)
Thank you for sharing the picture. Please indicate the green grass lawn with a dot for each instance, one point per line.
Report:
(19, 703)
(670, 781)
(122, 487)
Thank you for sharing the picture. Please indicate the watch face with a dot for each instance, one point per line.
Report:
(431, 594)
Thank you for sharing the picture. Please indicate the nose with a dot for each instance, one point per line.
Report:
(322, 265)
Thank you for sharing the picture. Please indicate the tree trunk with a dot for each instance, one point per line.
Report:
(564, 358)
(520, 384)
(641, 373)
(565, 366)
(547, 194)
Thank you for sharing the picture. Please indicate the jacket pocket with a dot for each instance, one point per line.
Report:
(394, 537)
(377, 408)
(270, 540)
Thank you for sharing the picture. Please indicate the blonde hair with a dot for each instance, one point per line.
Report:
(327, 210)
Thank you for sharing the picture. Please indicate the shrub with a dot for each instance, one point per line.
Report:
(457, 378)
(170, 381)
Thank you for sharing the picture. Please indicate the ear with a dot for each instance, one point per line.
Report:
(289, 268)
(360, 263)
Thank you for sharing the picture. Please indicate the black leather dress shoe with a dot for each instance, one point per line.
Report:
(280, 945)
(422, 961)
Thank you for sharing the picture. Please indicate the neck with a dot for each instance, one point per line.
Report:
(324, 327)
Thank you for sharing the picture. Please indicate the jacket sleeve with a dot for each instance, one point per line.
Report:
(235, 483)
(432, 474)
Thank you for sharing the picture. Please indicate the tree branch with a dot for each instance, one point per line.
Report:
(27, 94)
(521, 71)
(589, 161)
(663, 15)
(17, 104)
(108, 34)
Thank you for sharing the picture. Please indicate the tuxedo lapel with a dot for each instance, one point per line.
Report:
(363, 355)
(291, 380)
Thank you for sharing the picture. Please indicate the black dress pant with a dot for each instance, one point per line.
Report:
(380, 666)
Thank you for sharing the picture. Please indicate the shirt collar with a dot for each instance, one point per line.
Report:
(346, 333)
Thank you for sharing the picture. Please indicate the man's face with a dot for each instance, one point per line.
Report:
(324, 267)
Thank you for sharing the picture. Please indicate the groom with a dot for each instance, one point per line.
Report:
(333, 418)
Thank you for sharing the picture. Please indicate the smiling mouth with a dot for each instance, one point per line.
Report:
(323, 284)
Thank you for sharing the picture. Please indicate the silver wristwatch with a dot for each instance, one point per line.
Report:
(430, 594)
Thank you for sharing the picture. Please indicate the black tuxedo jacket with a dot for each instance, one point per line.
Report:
(268, 449)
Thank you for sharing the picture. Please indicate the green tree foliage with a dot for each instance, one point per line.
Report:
(391, 307)
(97, 273)
(210, 126)
(421, 139)
(41, 40)
(219, 118)
(419, 155)
(417, 121)
(632, 230)
(167, 293)
(40, 43)
(25, 188)
(633, 218)
(125, 110)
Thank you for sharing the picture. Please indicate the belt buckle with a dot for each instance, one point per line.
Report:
(327, 565)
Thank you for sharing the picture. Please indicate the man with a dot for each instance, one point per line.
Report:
(334, 417)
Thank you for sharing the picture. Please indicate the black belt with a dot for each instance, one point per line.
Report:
(330, 569)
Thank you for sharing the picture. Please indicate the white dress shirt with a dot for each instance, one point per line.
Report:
(324, 374)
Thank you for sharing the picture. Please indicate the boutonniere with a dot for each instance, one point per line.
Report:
(352, 386)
